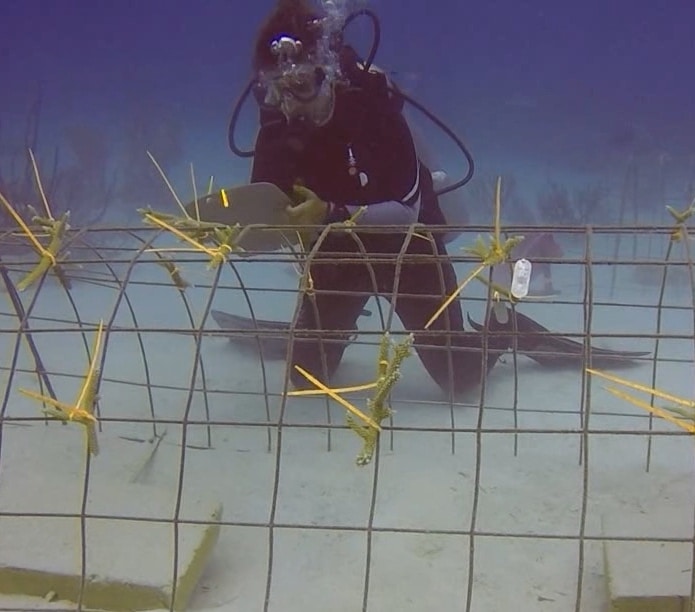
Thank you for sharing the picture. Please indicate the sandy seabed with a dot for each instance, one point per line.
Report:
(298, 512)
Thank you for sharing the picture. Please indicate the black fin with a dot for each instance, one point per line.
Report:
(551, 350)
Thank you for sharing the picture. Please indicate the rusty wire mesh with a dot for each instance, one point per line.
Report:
(493, 500)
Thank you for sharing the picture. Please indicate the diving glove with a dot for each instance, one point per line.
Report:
(310, 210)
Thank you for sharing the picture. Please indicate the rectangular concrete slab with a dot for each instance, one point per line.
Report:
(129, 562)
(649, 576)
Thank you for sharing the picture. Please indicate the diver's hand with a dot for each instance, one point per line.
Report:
(311, 210)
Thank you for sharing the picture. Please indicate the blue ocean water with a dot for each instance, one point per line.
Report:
(574, 87)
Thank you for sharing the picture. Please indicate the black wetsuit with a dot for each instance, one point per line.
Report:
(369, 136)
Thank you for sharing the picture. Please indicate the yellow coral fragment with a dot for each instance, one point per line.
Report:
(48, 255)
(333, 394)
(666, 414)
(388, 372)
(226, 240)
(492, 254)
(82, 411)
(681, 217)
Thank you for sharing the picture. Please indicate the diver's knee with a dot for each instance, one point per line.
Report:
(298, 382)
(303, 373)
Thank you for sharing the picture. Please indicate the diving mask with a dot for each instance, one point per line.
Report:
(302, 82)
(300, 78)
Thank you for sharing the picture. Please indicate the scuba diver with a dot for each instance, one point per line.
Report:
(334, 137)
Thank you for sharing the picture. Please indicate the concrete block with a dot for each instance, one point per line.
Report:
(649, 576)
(129, 563)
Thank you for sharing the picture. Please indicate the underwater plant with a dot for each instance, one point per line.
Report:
(148, 130)
(16, 169)
(482, 191)
(558, 206)
(85, 184)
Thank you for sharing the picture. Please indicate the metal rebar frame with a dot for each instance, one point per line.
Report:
(118, 262)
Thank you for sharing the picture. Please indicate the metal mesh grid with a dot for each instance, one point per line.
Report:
(46, 334)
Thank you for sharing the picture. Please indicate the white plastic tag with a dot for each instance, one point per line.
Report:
(521, 280)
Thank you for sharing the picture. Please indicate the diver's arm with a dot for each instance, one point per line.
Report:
(272, 162)
(380, 213)
(390, 212)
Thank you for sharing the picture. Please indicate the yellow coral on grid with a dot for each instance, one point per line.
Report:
(82, 411)
(388, 372)
(492, 254)
(55, 228)
(681, 406)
